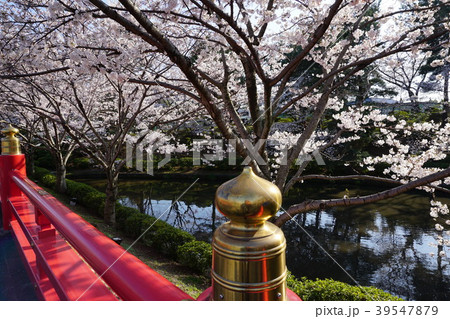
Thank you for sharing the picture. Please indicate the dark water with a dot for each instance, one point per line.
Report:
(390, 244)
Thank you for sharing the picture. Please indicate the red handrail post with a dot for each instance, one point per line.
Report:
(47, 229)
(8, 188)
(10, 160)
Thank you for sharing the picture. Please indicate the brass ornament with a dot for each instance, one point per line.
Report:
(10, 144)
(249, 260)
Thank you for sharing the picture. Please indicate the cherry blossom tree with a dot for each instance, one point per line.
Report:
(90, 98)
(439, 62)
(100, 117)
(29, 129)
(403, 71)
(439, 67)
(21, 100)
(230, 55)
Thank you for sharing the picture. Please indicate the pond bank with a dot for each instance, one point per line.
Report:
(220, 176)
(183, 277)
(204, 174)
(197, 254)
(388, 244)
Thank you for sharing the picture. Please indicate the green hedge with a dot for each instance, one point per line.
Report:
(80, 163)
(331, 290)
(122, 213)
(194, 254)
(49, 181)
(87, 196)
(39, 173)
(167, 239)
(156, 233)
(133, 225)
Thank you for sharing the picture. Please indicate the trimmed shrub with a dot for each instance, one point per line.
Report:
(39, 172)
(80, 163)
(48, 180)
(122, 213)
(167, 239)
(96, 201)
(80, 191)
(196, 255)
(152, 225)
(331, 290)
(87, 196)
(133, 225)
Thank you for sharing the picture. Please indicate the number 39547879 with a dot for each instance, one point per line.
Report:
(407, 310)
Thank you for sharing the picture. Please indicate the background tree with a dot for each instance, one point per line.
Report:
(438, 63)
(21, 101)
(29, 129)
(227, 55)
(100, 117)
(403, 71)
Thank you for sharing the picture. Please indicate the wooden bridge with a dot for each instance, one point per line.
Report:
(69, 259)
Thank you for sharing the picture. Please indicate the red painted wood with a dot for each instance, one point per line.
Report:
(63, 274)
(206, 295)
(129, 277)
(9, 163)
(43, 286)
(292, 296)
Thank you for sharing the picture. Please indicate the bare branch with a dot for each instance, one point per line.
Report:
(25, 75)
(328, 203)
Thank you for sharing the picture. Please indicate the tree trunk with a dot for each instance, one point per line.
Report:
(446, 105)
(109, 213)
(310, 205)
(361, 93)
(414, 101)
(61, 171)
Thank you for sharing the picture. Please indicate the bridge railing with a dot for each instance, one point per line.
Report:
(67, 257)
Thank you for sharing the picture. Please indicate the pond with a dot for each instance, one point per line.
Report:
(390, 244)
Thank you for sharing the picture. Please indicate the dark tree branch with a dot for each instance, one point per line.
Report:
(167, 86)
(317, 35)
(328, 203)
(25, 75)
(364, 178)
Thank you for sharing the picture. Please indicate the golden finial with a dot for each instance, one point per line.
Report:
(10, 144)
(249, 260)
(248, 199)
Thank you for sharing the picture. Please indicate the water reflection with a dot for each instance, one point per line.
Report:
(386, 245)
(199, 221)
(194, 212)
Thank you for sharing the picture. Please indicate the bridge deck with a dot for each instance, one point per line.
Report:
(15, 285)
(66, 267)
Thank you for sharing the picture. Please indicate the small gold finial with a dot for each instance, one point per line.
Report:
(248, 199)
(10, 144)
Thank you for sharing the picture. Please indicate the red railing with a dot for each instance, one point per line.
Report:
(69, 259)
(57, 244)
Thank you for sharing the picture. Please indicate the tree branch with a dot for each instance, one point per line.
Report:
(317, 35)
(363, 177)
(328, 203)
(168, 86)
(18, 76)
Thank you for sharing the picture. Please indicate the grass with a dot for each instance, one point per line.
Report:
(184, 278)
